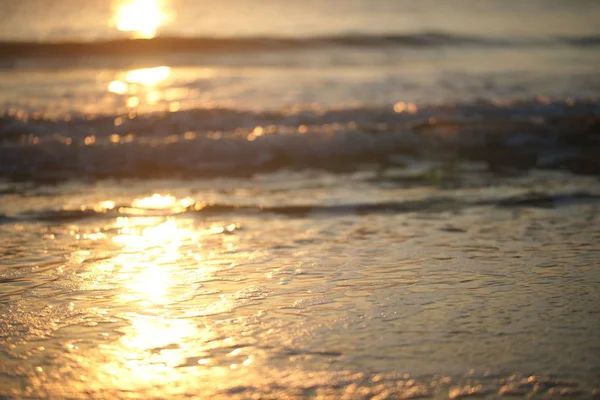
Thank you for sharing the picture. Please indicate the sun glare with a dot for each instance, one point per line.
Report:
(140, 80)
(142, 17)
(156, 201)
(148, 76)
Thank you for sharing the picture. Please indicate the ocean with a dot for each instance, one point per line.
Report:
(276, 199)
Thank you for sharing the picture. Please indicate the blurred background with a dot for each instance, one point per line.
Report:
(62, 56)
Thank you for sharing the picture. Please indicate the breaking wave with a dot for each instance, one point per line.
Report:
(227, 142)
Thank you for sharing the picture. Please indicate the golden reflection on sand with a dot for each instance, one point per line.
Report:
(153, 345)
(155, 341)
(141, 17)
(149, 261)
(166, 342)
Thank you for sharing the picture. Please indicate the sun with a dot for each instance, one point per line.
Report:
(142, 17)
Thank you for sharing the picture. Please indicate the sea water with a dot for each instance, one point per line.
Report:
(320, 199)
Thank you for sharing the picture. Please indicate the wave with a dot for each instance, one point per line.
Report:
(431, 204)
(516, 136)
(207, 45)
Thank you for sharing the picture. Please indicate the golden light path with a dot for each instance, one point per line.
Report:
(155, 273)
(140, 82)
(149, 272)
(141, 17)
(148, 77)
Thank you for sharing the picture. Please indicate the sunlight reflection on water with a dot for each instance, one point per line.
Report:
(164, 303)
(154, 276)
(149, 260)
(141, 84)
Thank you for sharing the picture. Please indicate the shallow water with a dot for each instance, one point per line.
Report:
(234, 289)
